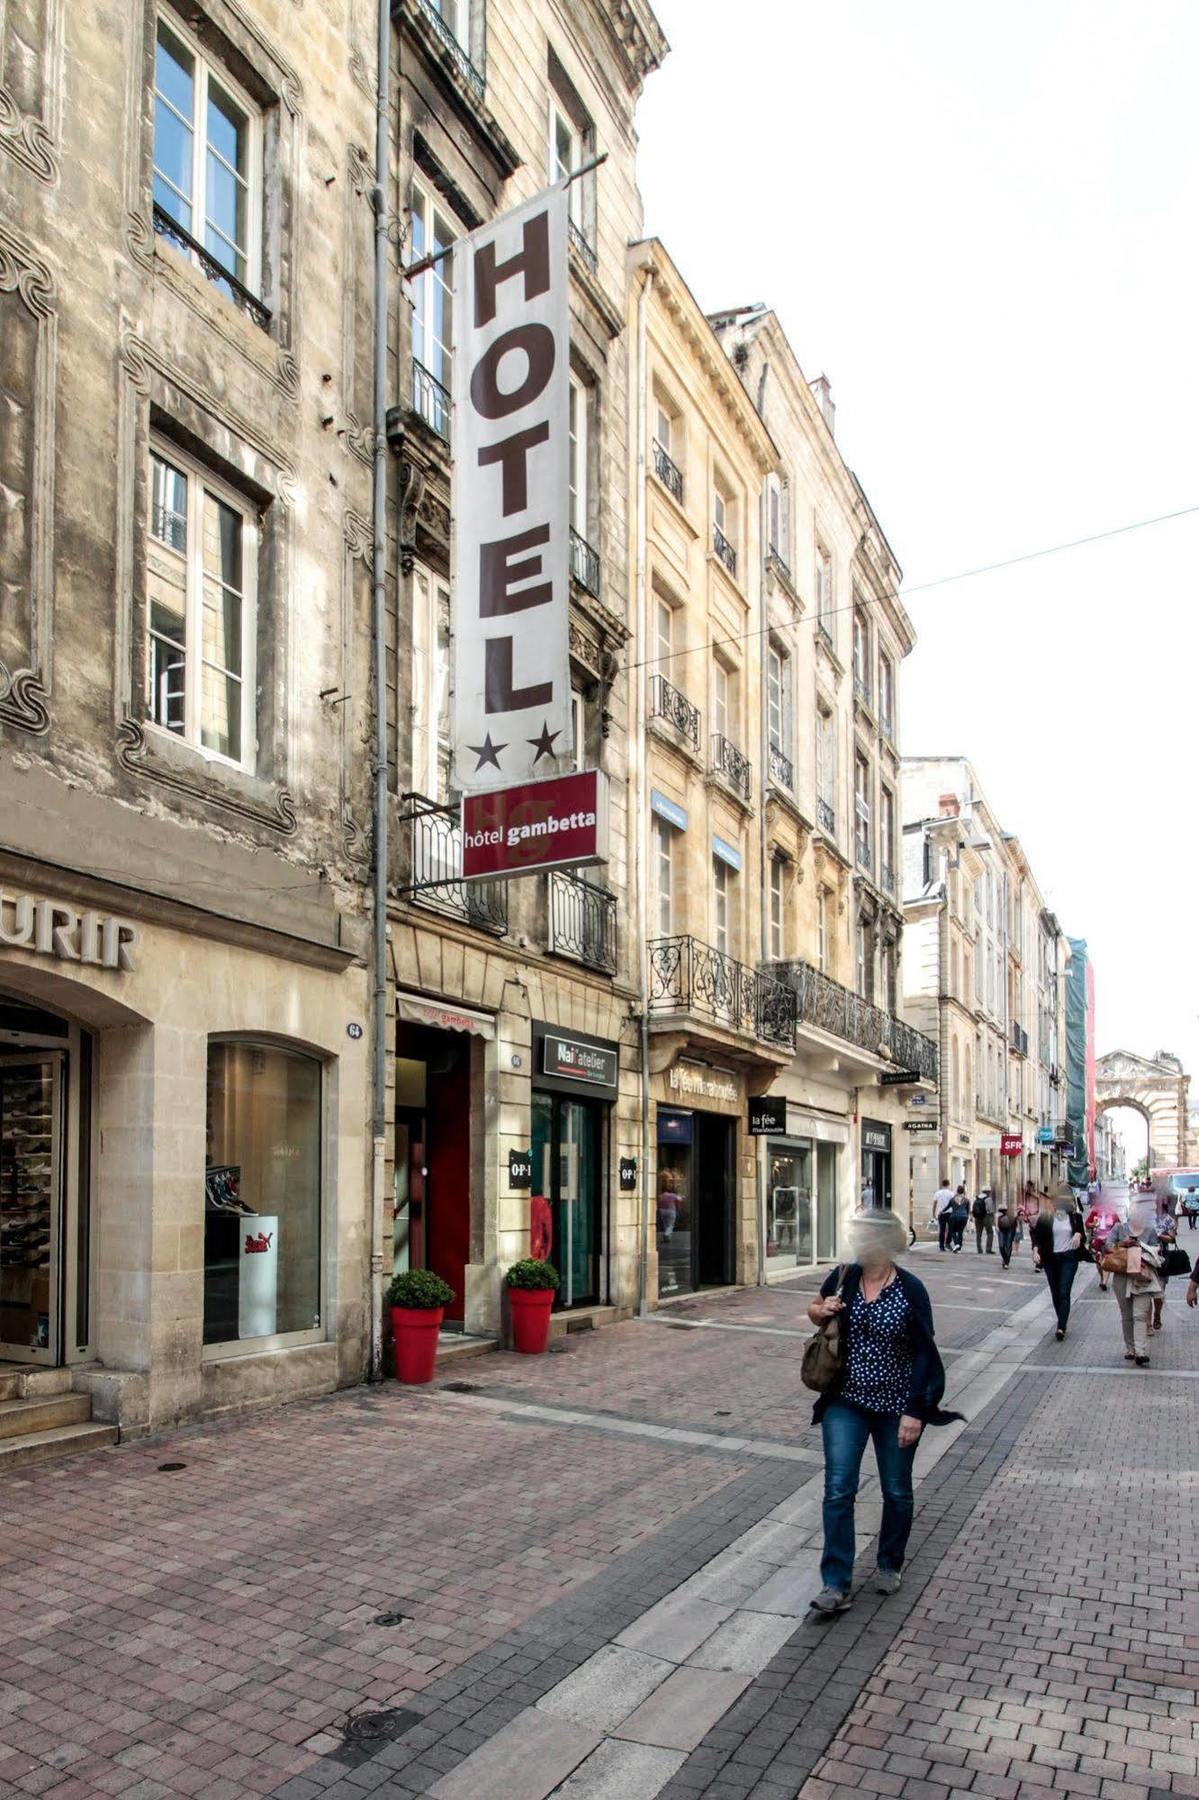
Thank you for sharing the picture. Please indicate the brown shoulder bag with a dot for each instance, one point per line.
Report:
(824, 1353)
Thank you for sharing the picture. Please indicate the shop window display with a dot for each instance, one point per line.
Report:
(789, 1207)
(262, 1202)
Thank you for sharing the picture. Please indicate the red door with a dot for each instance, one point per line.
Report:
(447, 1191)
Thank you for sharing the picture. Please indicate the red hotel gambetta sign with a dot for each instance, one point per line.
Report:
(558, 823)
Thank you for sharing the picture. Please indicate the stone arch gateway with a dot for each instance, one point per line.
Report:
(1155, 1086)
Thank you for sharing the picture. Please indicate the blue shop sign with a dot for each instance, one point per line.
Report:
(668, 809)
(726, 853)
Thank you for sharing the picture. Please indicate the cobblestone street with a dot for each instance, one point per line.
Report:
(587, 1574)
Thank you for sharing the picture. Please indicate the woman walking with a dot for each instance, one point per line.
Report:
(1057, 1239)
(1135, 1267)
(1008, 1225)
(890, 1387)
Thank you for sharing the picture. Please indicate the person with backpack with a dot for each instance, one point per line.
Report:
(1008, 1226)
(959, 1218)
(983, 1214)
(883, 1384)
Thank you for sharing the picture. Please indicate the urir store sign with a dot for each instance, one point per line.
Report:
(49, 928)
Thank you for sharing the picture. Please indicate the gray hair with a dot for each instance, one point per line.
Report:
(877, 1235)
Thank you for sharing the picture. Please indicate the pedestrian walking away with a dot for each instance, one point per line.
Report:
(1165, 1225)
(890, 1387)
(942, 1206)
(983, 1214)
(959, 1218)
(1007, 1224)
(1134, 1261)
(1057, 1239)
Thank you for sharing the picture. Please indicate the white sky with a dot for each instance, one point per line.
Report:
(981, 222)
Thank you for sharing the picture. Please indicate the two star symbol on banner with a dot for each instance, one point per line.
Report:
(487, 752)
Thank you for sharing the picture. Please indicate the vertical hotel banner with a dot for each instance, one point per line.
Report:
(511, 588)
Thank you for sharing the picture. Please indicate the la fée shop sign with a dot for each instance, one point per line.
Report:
(50, 928)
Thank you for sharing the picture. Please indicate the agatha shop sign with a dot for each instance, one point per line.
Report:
(48, 928)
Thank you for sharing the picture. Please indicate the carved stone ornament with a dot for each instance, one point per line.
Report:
(136, 753)
(412, 492)
(27, 139)
(23, 700)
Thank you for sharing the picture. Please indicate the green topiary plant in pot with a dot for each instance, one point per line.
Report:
(418, 1299)
(531, 1288)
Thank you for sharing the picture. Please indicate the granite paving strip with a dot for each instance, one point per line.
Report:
(606, 1421)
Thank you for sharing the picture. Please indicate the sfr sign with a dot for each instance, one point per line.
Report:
(511, 499)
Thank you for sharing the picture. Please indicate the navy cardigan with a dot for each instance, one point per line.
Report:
(928, 1371)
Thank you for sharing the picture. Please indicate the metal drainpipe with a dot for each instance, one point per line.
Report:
(943, 1090)
(379, 1022)
(763, 642)
(640, 836)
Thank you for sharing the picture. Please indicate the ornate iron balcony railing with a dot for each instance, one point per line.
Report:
(665, 702)
(461, 59)
(781, 772)
(724, 550)
(431, 400)
(1019, 1039)
(169, 227)
(687, 976)
(584, 563)
(826, 816)
(826, 1005)
(864, 852)
(887, 877)
(435, 868)
(862, 692)
(668, 472)
(582, 921)
(584, 246)
(781, 564)
(728, 761)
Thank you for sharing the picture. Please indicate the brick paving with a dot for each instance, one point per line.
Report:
(210, 1631)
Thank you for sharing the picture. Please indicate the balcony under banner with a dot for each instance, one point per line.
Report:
(700, 993)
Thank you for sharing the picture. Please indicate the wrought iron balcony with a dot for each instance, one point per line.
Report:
(778, 560)
(824, 632)
(582, 243)
(668, 472)
(435, 868)
(665, 702)
(431, 400)
(861, 692)
(781, 772)
(584, 563)
(864, 851)
(461, 60)
(165, 225)
(687, 976)
(728, 761)
(724, 550)
(826, 816)
(823, 1003)
(1019, 1039)
(887, 878)
(582, 921)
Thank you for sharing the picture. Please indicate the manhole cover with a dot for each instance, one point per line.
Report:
(392, 1618)
(170, 1468)
(461, 1387)
(374, 1727)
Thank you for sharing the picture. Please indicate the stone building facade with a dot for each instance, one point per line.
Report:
(185, 361)
(494, 983)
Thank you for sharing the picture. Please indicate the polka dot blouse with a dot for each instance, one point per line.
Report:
(878, 1372)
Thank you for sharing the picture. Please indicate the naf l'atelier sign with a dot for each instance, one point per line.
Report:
(511, 593)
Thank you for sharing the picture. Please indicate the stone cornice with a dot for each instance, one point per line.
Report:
(679, 304)
(636, 36)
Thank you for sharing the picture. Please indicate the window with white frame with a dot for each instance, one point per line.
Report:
(207, 155)
(724, 701)
(886, 694)
(778, 877)
(778, 530)
(578, 728)
(822, 945)
(201, 568)
(663, 637)
(722, 880)
(724, 523)
(890, 977)
(778, 699)
(865, 961)
(826, 762)
(664, 876)
(861, 810)
(431, 754)
(886, 831)
(432, 297)
(571, 141)
(861, 654)
(824, 587)
(665, 425)
(579, 449)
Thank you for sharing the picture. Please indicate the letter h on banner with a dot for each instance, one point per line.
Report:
(511, 587)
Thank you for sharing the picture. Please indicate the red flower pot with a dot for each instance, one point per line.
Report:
(414, 1336)
(531, 1309)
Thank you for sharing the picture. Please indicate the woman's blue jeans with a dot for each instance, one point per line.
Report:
(846, 1434)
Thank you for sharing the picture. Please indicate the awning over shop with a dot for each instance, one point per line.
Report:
(444, 1017)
